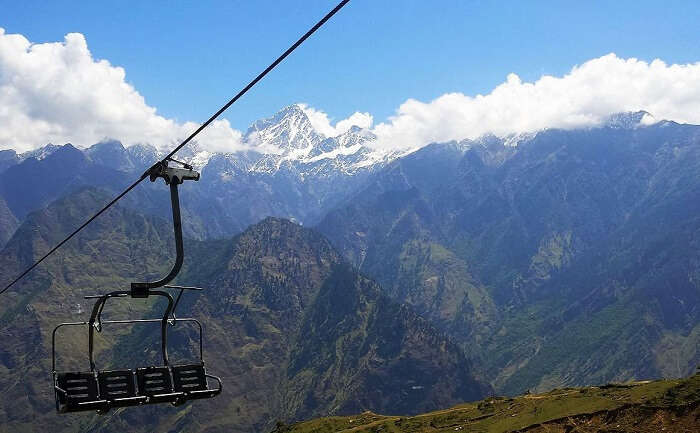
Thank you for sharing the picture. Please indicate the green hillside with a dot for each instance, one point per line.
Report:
(293, 330)
(568, 260)
(635, 407)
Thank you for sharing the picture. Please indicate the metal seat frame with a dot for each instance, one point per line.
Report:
(103, 390)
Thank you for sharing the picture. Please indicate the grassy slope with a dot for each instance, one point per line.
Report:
(668, 405)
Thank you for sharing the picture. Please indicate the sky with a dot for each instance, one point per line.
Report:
(413, 71)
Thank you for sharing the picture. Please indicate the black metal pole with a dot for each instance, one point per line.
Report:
(141, 290)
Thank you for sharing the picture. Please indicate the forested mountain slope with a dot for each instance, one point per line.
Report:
(569, 259)
(290, 327)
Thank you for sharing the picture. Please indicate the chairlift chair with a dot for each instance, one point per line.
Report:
(102, 390)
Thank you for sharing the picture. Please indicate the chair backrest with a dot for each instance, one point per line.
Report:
(116, 384)
(188, 378)
(79, 387)
(154, 380)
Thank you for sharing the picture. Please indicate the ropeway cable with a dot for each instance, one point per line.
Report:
(255, 80)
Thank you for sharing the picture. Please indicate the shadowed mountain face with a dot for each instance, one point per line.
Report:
(8, 158)
(42, 177)
(8, 223)
(291, 328)
(569, 259)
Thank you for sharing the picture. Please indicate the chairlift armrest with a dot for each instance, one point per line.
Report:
(86, 403)
(61, 390)
(134, 398)
(220, 385)
(121, 295)
(182, 287)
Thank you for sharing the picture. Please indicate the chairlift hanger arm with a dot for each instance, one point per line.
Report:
(172, 176)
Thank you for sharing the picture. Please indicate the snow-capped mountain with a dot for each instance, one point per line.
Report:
(285, 142)
(286, 168)
(629, 120)
(288, 141)
(289, 130)
(39, 153)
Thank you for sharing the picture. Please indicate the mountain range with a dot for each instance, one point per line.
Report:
(287, 170)
(567, 260)
(420, 277)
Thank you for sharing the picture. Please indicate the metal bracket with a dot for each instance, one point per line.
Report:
(172, 175)
(139, 290)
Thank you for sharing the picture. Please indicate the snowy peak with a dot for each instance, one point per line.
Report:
(288, 130)
(629, 120)
(40, 153)
(143, 154)
(288, 141)
(355, 135)
(353, 139)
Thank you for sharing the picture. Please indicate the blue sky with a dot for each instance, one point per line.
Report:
(187, 58)
(413, 67)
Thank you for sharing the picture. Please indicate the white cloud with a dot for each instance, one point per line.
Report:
(583, 97)
(219, 136)
(321, 123)
(57, 92)
(363, 120)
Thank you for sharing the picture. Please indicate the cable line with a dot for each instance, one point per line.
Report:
(158, 164)
(75, 232)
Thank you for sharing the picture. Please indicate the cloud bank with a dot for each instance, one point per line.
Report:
(57, 92)
(322, 123)
(583, 97)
